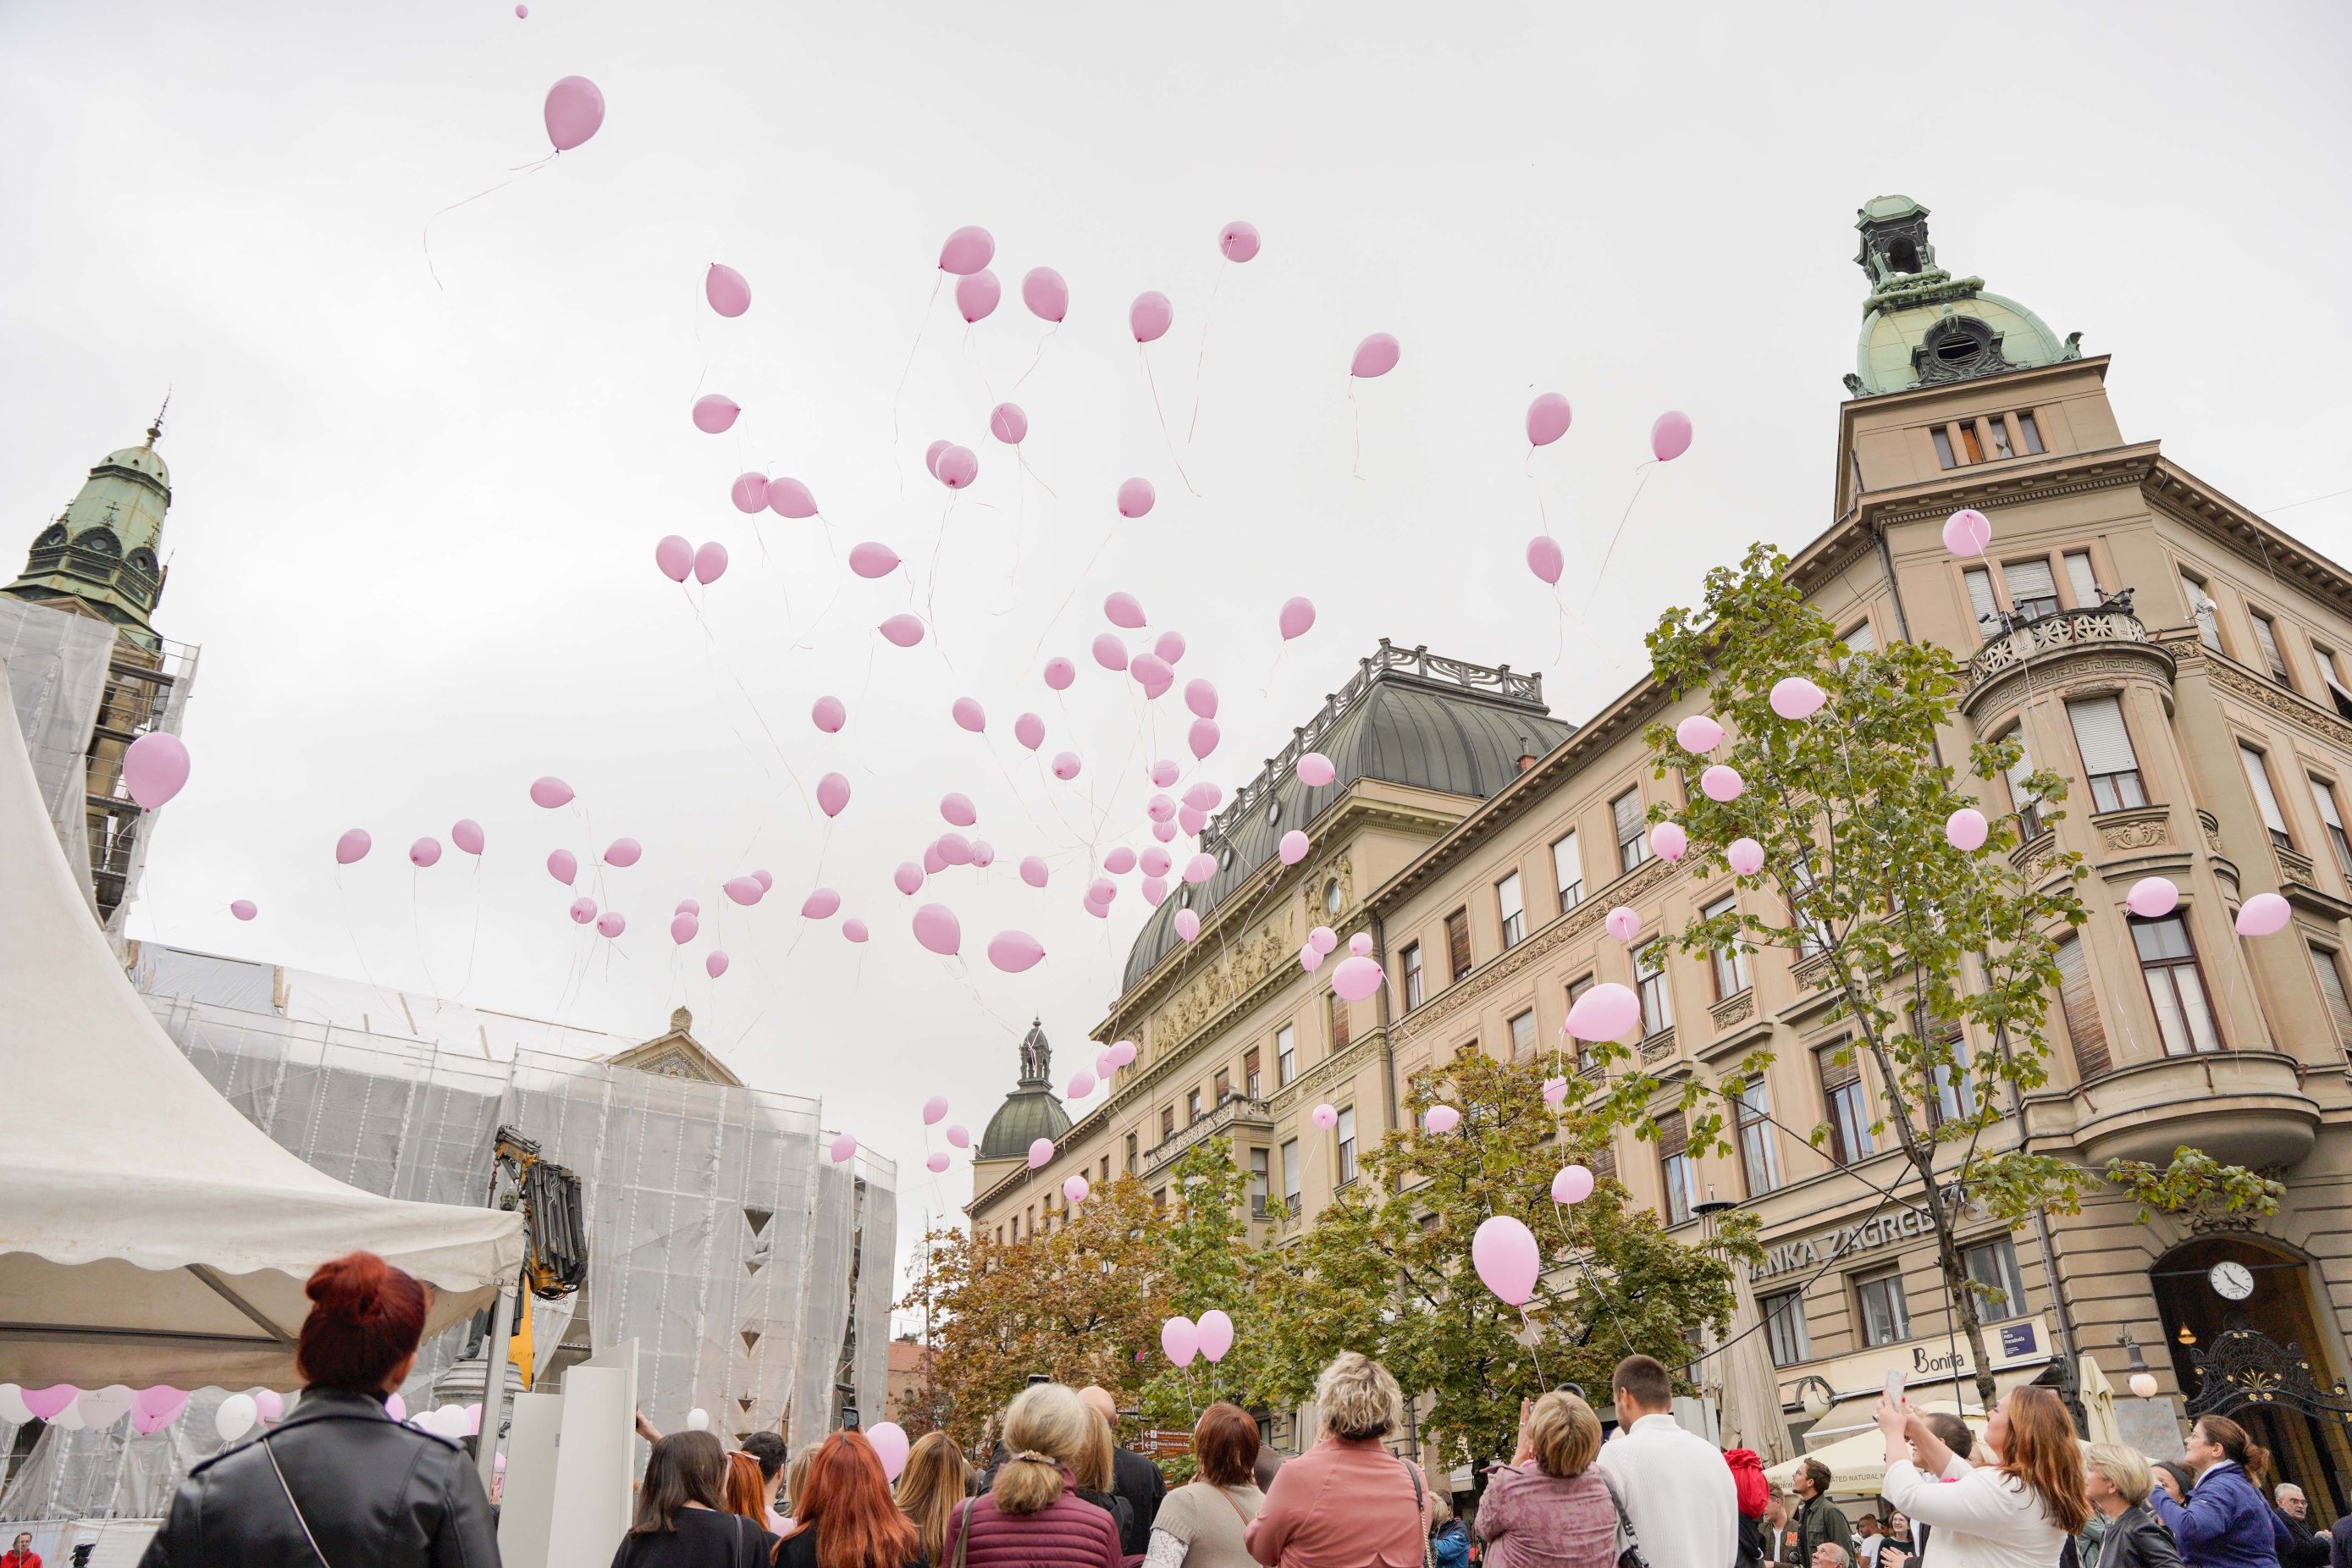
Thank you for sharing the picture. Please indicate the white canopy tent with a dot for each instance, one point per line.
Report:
(148, 1232)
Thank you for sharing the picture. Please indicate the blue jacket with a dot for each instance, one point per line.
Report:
(1451, 1544)
(2225, 1523)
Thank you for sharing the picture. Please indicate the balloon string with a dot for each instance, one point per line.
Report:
(1046, 338)
(1529, 1324)
(473, 943)
(416, 925)
(1202, 358)
(425, 237)
(1356, 412)
(903, 374)
(931, 584)
(1153, 381)
(1080, 581)
(1613, 538)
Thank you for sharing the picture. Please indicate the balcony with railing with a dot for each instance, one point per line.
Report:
(1235, 1113)
(2021, 648)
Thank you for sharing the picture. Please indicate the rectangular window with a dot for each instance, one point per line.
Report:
(1224, 1086)
(1191, 1106)
(1956, 1096)
(1159, 1199)
(1759, 1151)
(1567, 870)
(1849, 1109)
(1338, 1020)
(2201, 611)
(1650, 979)
(2033, 592)
(1457, 944)
(1730, 967)
(2257, 775)
(1347, 1145)
(1993, 1266)
(2332, 676)
(1249, 1072)
(1860, 639)
(2330, 970)
(1981, 602)
(2022, 800)
(1286, 1055)
(1969, 444)
(2082, 580)
(2168, 961)
(1514, 912)
(1632, 839)
(1257, 1183)
(2081, 1009)
(1943, 448)
(1412, 983)
(1290, 1176)
(1523, 1036)
(2108, 760)
(1130, 1153)
(1784, 1320)
(2030, 431)
(1997, 428)
(2323, 796)
(1885, 1315)
(1676, 1170)
(1167, 1122)
(2267, 640)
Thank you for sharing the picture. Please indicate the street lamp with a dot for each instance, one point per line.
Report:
(1814, 1392)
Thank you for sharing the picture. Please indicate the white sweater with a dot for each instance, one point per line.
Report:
(1983, 1518)
(1678, 1493)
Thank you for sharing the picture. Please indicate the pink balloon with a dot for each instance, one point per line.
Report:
(967, 250)
(1360, 945)
(1443, 1119)
(1188, 925)
(1110, 652)
(549, 792)
(1192, 818)
(1060, 672)
(828, 714)
(1721, 783)
(709, 563)
(1966, 830)
(968, 714)
(564, 866)
(1014, 951)
(583, 910)
(1297, 618)
(832, 794)
(871, 560)
(1604, 1012)
(902, 631)
(1356, 978)
(1154, 860)
(936, 1162)
(1571, 1184)
(1794, 696)
(976, 294)
(1163, 831)
(243, 909)
(958, 465)
(714, 413)
(931, 454)
(907, 878)
(1669, 841)
(467, 834)
(1204, 796)
(1293, 848)
(1119, 862)
(46, 1403)
(1201, 738)
(766, 881)
(1201, 697)
(1622, 923)
(1155, 890)
(1065, 765)
(957, 808)
(724, 286)
(845, 1146)
(936, 929)
(426, 851)
(1239, 241)
(1967, 532)
(154, 768)
(1746, 855)
(955, 849)
(1047, 297)
(1698, 734)
(1135, 497)
(612, 922)
(1041, 1153)
(1160, 808)
(1216, 1329)
(1122, 609)
(957, 1135)
(749, 492)
(2152, 897)
(1555, 1090)
(522, 14)
(1323, 938)
(1149, 316)
(715, 964)
(1199, 868)
(1323, 1116)
(1315, 770)
(1548, 418)
(821, 904)
(1670, 438)
(1034, 870)
(623, 852)
(1030, 730)
(353, 847)
(573, 111)
(1124, 1050)
(689, 907)
(745, 890)
(935, 1109)
(684, 928)
(2264, 914)
(790, 498)
(1544, 558)
(1008, 423)
(1376, 355)
(1151, 672)
(675, 557)
(933, 861)
(1170, 647)
(1179, 1340)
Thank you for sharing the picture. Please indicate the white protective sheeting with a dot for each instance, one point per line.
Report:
(152, 1233)
(56, 667)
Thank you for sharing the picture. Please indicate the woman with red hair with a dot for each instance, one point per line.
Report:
(846, 1517)
(338, 1481)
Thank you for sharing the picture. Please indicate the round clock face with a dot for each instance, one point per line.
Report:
(2232, 1281)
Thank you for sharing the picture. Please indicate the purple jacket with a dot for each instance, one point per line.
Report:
(1067, 1532)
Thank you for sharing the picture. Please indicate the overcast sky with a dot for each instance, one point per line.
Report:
(414, 524)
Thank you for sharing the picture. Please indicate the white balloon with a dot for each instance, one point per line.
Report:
(697, 1419)
(69, 1418)
(102, 1408)
(12, 1404)
(235, 1417)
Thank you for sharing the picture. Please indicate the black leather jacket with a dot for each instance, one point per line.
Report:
(377, 1495)
(2135, 1538)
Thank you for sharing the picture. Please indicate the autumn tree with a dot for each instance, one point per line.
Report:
(1206, 1256)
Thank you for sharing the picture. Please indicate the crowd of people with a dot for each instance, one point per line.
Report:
(338, 1481)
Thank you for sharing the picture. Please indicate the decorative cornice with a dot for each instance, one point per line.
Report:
(2134, 827)
(2181, 495)
(2321, 723)
(1340, 1064)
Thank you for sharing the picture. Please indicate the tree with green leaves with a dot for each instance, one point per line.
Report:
(1386, 1267)
(1923, 944)
(1205, 1254)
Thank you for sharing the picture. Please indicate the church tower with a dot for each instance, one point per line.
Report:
(1029, 1113)
(99, 559)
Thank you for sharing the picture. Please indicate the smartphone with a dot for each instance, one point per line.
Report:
(849, 1419)
(1895, 1387)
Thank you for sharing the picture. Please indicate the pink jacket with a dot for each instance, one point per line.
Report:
(1342, 1505)
(1067, 1532)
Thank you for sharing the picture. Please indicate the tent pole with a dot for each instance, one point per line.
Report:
(494, 1386)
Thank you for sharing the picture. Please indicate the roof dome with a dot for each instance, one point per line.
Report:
(1406, 718)
(1029, 1113)
(1923, 327)
(143, 460)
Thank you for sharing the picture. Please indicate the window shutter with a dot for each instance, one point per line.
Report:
(2259, 776)
(2019, 772)
(2331, 985)
(2267, 636)
(1862, 640)
(1457, 943)
(2324, 798)
(1568, 870)
(1835, 1075)
(1506, 895)
(2099, 731)
(2082, 1010)
(1673, 1135)
(1980, 598)
(1628, 809)
(2030, 579)
(2084, 581)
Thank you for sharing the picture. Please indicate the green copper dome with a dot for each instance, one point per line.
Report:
(1029, 1113)
(101, 554)
(1923, 327)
